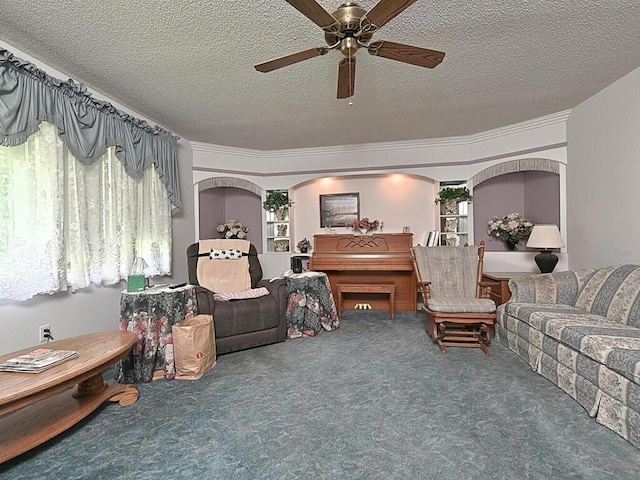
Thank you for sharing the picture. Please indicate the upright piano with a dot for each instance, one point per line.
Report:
(377, 258)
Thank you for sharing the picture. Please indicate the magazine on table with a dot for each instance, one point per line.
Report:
(37, 360)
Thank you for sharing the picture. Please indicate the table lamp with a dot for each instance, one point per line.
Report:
(545, 237)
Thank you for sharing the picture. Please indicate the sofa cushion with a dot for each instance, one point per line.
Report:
(609, 343)
(616, 347)
(561, 287)
(613, 292)
(524, 311)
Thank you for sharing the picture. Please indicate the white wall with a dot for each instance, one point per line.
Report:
(96, 308)
(602, 177)
(398, 200)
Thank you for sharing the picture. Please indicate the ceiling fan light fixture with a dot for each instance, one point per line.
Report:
(349, 46)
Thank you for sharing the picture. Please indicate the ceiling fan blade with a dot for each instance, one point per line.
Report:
(346, 77)
(422, 57)
(385, 10)
(317, 14)
(290, 59)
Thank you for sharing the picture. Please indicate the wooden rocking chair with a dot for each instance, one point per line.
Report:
(456, 302)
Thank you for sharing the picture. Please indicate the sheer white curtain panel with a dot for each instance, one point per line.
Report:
(68, 225)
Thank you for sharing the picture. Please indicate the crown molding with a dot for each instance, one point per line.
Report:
(388, 168)
(547, 120)
(463, 140)
(329, 150)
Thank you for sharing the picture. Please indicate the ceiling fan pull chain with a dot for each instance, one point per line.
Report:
(350, 83)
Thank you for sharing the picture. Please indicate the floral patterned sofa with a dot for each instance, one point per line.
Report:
(581, 330)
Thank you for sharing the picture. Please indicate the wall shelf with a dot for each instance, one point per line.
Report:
(278, 230)
(454, 221)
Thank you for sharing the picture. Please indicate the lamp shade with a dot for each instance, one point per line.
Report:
(545, 237)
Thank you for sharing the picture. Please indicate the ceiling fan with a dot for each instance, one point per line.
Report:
(349, 28)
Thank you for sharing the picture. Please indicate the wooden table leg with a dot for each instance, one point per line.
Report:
(90, 386)
(392, 305)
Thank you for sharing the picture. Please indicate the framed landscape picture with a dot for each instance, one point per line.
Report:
(339, 209)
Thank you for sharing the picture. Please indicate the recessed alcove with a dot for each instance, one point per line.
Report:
(396, 200)
(221, 199)
(535, 195)
(529, 186)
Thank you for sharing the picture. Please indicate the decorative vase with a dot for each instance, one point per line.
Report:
(303, 250)
(363, 231)
(451, 207)
(512, 243)
(281, 214)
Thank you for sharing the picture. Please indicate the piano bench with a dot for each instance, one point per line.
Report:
(389, 288)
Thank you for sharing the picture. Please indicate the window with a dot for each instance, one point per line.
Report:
(65, 225)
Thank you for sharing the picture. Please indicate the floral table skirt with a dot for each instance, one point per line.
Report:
(310, 306)
(150, 315)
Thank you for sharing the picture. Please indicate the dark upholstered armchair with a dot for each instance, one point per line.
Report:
(247, 323)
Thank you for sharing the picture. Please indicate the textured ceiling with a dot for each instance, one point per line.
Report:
(188, 65)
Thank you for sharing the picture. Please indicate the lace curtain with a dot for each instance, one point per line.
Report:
(64, 224)
(29, 96)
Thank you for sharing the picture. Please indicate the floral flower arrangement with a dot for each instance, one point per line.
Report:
(365, 224)
(232, 229)
(304, 245)
(511, 228)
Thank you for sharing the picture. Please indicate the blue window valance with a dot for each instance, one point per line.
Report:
(87, 126)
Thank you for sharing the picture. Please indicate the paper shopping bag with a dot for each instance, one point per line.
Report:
(194, 346)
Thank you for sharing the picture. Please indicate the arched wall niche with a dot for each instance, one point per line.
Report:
(226, 198)
(230, 182)
(529, 186)
(512, 166)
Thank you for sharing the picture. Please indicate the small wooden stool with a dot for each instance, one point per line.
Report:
(389, 288)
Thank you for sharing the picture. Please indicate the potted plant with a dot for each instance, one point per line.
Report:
(449, 197)
(304, 245)
(278, 203)
(454, 194)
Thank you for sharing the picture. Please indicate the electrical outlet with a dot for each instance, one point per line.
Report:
(42, 333)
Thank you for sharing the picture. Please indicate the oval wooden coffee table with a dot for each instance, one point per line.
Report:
(35, 407)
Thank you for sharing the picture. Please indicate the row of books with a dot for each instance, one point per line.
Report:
(37, 360)
(433, 240)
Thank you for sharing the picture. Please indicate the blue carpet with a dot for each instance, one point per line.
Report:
(373, 400)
